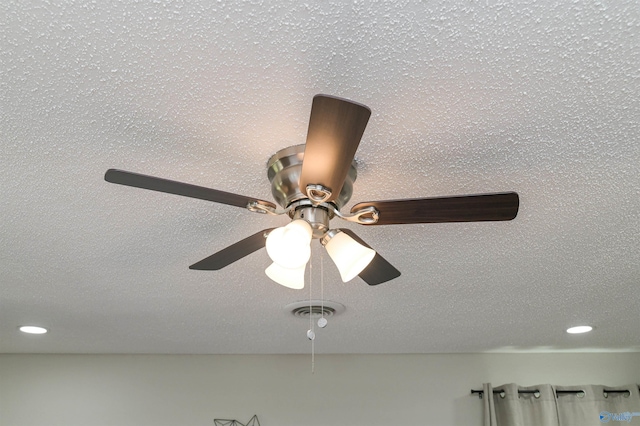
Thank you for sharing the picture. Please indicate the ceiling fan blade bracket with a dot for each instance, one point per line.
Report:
(364, 216)
(258, 207)
(318, 193)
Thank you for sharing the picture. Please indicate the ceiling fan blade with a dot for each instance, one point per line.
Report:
(178, 188)
(466, 208)
(379, 270)
(335, 128)
(234, 252)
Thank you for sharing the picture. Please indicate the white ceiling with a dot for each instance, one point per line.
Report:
(537, 97)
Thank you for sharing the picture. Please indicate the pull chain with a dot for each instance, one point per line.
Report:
(322, 322)
(311, 333)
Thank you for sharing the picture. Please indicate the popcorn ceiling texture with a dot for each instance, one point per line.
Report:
(538, 97)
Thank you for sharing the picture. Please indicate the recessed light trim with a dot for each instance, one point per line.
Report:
(32, 329)
(579, 329)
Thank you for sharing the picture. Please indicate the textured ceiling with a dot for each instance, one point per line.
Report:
(537, 97)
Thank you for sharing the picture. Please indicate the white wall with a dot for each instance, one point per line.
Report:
(345, 390)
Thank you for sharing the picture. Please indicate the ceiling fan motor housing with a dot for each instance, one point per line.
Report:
(284, 169)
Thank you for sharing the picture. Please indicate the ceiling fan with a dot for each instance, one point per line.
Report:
(311, 183)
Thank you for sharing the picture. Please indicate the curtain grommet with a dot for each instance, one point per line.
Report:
(536, 395)
(580, 394)
(502, 394)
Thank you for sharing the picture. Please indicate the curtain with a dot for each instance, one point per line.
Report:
(547, 405)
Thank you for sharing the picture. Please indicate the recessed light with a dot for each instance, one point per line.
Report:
(579, 329)
(32, 329)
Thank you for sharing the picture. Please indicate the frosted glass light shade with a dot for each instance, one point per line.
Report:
(289, 246)
(292, 278)
(349, 256)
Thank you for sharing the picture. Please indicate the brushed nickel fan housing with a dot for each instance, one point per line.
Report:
(284, 169)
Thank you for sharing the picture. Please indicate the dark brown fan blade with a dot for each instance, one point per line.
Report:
(178, 188)
(234, 252)
(467, 208)
(335, 128)
(379, 270)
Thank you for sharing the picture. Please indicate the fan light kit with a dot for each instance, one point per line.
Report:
(311, 183)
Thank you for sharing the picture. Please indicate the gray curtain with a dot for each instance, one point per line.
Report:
(593, 406)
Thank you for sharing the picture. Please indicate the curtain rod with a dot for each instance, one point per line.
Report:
(558, 392)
